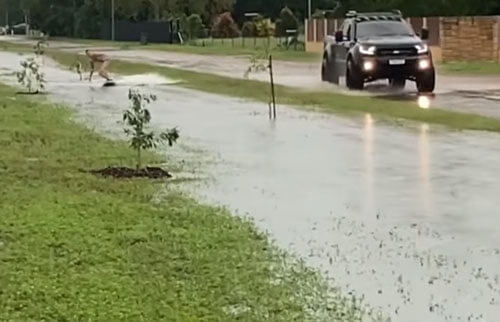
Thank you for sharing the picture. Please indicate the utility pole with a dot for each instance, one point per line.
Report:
(309, 9)
(74, 18)
(113, 20)
(26, 21)
(6, 3)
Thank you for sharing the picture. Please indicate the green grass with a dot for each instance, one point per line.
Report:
(75, 247)
(221, 47)
(327, 102)
(480, 68)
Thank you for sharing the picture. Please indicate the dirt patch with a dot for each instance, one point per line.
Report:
(31, 93)
(124, 173)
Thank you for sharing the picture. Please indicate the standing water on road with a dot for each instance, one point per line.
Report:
(405, 218)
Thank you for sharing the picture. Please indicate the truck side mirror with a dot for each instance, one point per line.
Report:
(339, 36)
(425, 34)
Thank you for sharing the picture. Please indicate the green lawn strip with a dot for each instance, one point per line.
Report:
(76, 247)
(224, 48)
(479, 68)
(318, 100)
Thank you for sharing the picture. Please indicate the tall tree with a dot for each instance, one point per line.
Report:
(87, 17)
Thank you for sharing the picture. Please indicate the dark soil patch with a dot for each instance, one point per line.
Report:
(123, 172)
(31, 93)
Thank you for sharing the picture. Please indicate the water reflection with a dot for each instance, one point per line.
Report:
(424, 177)
(424, 102)
(368, 153)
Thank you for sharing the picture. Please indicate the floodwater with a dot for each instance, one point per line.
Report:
(406, 218)
(463, 94)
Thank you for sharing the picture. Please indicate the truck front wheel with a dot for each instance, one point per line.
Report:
(354, 79)
(426, 81)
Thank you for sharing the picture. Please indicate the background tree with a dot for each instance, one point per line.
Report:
(318, 14)
(194, 26)
(287, 21)
(249, 29)
(86, 18)
(225, 27)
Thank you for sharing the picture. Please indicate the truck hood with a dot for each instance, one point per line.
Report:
(390, 41)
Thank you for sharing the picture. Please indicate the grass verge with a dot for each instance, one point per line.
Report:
(318, 100)
(218, 47)
(479, 68)
(75, 247)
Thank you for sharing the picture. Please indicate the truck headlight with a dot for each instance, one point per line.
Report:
(422, 49)
(424, 64)
(368, 65)
(367, 50)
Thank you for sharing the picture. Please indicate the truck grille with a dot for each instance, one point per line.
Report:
(409, 51)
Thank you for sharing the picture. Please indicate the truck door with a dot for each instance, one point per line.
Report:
(341, 49)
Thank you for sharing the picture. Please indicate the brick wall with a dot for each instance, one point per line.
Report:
(469, 38)
(450, 38)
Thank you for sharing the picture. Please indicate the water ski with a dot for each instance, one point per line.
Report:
(109, 83)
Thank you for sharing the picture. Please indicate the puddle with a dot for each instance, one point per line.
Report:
(145, 80)
(405, 218)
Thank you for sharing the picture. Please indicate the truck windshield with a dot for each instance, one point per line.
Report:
(370, 29)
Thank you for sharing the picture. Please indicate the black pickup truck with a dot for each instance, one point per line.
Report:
(372, 46)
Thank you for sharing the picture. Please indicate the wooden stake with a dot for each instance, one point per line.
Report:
(273, 96)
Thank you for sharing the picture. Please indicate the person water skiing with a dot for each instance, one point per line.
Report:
(98, 58)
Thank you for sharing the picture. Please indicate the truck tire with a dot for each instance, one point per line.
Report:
(426, 82)
(353, 78)
(324, 70)
(397, 83)
(328, 72)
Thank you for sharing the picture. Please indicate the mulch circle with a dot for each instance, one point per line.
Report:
(32, 93)
(123, 172)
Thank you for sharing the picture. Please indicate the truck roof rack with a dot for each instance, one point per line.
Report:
(378, 18)
(355, 14)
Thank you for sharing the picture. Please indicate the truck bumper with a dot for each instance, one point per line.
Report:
(374, 68)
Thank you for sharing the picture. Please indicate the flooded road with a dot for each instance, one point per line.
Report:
(406, 218)
(465, 94)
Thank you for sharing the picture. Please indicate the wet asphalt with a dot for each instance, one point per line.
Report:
(405, 218)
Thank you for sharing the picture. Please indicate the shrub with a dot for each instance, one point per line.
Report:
(194, 26)
(40, 47)
(249, 29)
(31, 76)
(225, 27)
(137, 118)
(265, 28)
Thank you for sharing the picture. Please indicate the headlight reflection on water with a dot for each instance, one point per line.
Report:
(424, 102)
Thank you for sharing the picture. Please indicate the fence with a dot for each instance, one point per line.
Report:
(249, 43)
(450, 38)
(157, 32)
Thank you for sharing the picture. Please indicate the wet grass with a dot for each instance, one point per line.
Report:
(479, 68)
(218, 47)
(310, 100)
(76, 247)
